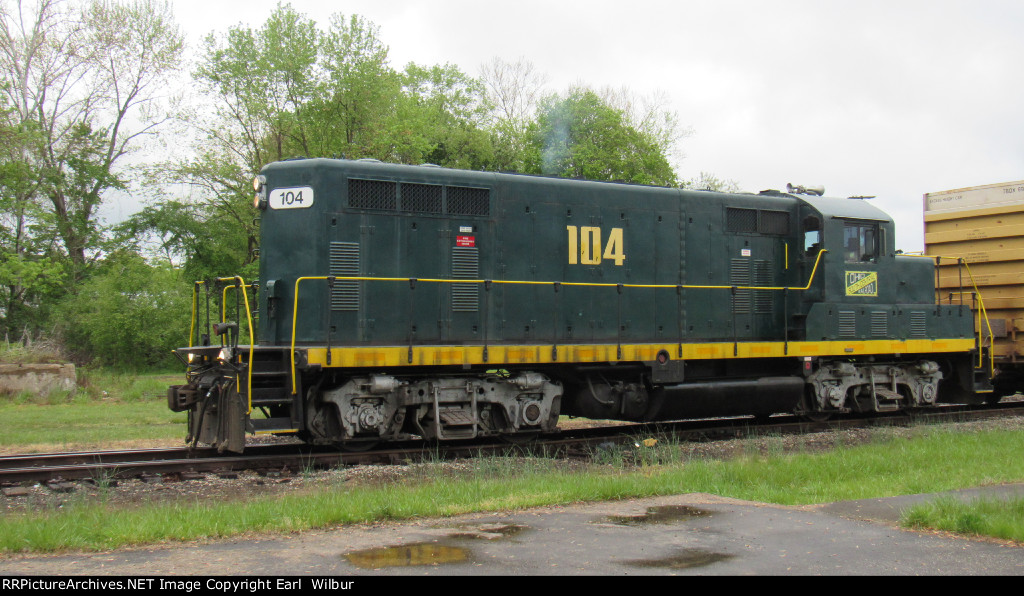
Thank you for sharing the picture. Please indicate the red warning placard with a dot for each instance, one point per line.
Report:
(465, 241)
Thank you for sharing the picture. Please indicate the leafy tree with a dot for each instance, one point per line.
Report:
(128, 313)
(359, 113)
(83, 76)
(512, 93)
(581, 136)
(27, 273)
(289, 89)
(445, 112)
(708, 181)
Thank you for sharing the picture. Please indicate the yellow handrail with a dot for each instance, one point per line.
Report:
(295, 303)
(982, 313)
(192, 326)
(240, 283)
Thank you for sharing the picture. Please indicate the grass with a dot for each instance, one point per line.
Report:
(120, 409)
(982, 517)
(108, 409)
(932, 460)
(32, 428)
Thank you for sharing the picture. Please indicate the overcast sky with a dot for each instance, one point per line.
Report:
(893, 98)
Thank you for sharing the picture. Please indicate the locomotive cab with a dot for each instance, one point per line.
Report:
(877, 307)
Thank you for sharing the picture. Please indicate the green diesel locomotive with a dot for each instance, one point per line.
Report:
(396, 301)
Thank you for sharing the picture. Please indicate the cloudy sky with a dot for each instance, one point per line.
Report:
(892, 98)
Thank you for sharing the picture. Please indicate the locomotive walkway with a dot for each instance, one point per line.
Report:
(678, 535)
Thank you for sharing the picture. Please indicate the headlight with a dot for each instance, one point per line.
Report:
(259, 184)
(224, 355)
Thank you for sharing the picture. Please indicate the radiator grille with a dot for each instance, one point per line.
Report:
(421, 198)
(740, 220)
(469, 201)
(372, 194)
(774, 222)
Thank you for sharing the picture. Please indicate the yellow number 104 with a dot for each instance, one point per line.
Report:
(585, 246)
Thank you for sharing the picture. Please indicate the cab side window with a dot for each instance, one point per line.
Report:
(860, 242)
(812, 236)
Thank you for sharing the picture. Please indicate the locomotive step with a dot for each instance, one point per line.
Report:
(272, 424)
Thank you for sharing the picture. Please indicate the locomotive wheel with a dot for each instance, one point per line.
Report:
(520, 438)
(359, 446)
(818, 416)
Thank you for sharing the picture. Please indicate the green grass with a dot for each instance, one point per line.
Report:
(933, 460)
(30, 427)
(982, 517)
(108, 408)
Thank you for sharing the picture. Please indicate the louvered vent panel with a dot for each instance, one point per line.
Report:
(465, 265)
(847, 323)
(421, 198)
(763, 278)
(372, 194)
(918, 324)
(879, 323)
(469, 201)
(345, 262)
(739, 275)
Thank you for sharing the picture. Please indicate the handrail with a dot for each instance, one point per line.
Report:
(982, 313)
(192, 326)
(295, 303)
(240, 283)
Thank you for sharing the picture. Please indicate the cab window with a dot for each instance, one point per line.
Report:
(812, 235)
(860, 242)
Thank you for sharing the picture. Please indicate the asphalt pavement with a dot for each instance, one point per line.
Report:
(677, 535)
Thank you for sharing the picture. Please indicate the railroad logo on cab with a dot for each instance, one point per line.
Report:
(862, 283)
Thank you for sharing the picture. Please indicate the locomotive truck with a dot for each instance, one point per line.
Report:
(398, 301)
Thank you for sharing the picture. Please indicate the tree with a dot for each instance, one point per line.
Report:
(128, 313)
(85, 78)
(291, 89)
(708, 181)
(444, 114)
(512, 92)
(650, 116)
(581, 136)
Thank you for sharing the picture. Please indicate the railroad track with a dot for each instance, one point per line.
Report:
(58, 469)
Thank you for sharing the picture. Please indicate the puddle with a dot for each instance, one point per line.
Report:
(686, 559)
(659, 515)
(409, 555)
(488, 531)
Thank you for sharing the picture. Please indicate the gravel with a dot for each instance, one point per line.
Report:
(245, 485)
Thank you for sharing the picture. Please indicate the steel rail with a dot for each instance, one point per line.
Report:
(109, 465)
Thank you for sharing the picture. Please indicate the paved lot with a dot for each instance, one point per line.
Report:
(683, 534)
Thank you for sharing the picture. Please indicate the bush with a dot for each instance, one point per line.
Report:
(129, 314)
